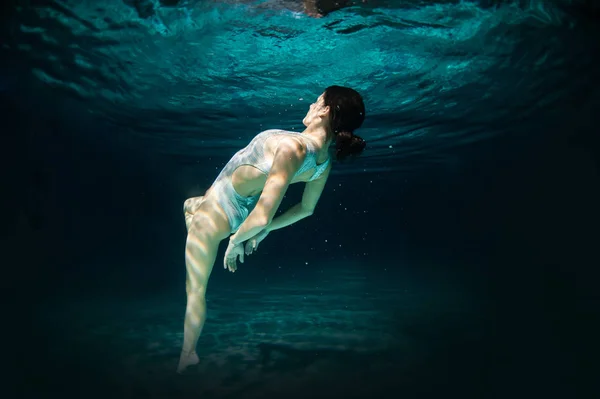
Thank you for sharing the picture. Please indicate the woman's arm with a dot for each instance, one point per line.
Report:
(291, 216)
(287, 160)
(310, 198)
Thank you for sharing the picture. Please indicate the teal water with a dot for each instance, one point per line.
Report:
(320, 334)
(199, 79)
(453, 258)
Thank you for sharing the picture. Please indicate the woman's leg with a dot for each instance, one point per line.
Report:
(206, 230)
(190, 207)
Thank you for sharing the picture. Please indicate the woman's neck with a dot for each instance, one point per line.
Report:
(319, 134)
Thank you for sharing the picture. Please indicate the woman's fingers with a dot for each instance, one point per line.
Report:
(251, 246)
(229, 264)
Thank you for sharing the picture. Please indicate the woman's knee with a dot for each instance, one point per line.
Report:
(188, 205)
(191, 204)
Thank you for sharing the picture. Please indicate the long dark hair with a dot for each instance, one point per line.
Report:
(347, 112)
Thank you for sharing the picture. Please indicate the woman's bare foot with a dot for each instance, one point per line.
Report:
(186, 360)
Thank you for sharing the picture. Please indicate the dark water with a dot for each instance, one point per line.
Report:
(457, 257)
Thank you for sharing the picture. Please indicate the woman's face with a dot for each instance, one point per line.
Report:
(315, 111)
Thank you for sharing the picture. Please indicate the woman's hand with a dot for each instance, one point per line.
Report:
(231, 254)
(252, 243)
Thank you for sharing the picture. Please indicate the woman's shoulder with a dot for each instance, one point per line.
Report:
(275, 139)
(275, 131)
(284, 136)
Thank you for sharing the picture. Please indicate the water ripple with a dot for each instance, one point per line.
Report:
(193, 78)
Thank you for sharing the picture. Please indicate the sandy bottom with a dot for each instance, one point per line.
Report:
(346, 336)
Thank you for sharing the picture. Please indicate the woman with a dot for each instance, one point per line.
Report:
(246, 195)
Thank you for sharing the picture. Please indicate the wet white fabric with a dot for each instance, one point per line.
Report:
(238, 207)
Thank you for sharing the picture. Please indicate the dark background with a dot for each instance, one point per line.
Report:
(516, 221)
